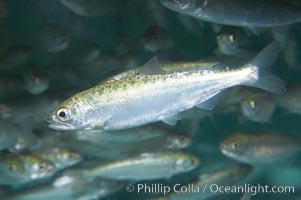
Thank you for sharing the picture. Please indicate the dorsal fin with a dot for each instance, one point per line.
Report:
(151, 67)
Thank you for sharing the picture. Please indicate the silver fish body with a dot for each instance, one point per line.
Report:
(35, 167)
(67, 186)
(229, 175)
(146, 166)
(248, 13)
(145, 136)
(260, 148)
(151, 96)
(35, 81)
(60, 157)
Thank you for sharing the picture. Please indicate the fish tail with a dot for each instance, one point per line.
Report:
(260, 75)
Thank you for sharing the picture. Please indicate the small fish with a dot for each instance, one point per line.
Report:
(238, 13)
(231, 41)
(250, 13)
(291, 100)
(35, 81)
(258, 107)
(124, 103)
(229, 175)
(146, 166)
(67, 186)
(174, 141)
(36, 168)
(100, 145)
(136, 136)
(156, 38)
(60, 157)
(12, 169)
(260, 148)
(11, 164)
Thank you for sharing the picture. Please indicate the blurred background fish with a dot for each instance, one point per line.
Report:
(260, 148)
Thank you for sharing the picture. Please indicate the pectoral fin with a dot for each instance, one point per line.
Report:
(102, 125)
(211, 102)
(171, 119)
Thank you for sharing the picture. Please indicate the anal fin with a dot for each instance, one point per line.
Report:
(171, 119)
(211, 102)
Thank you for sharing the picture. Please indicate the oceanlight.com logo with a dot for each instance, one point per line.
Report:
(252, 189)
(158, 188)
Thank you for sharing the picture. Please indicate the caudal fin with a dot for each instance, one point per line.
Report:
(261, 75)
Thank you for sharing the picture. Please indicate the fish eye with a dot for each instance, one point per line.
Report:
(62, 114)
(11, 168)
(42, 166)
(155, 37)
(232, 38)
(234, 145)
(182, 138)
(253, 104)
(70, 156)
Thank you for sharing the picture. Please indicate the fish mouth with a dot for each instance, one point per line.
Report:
(228, 153)
(57, 125)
